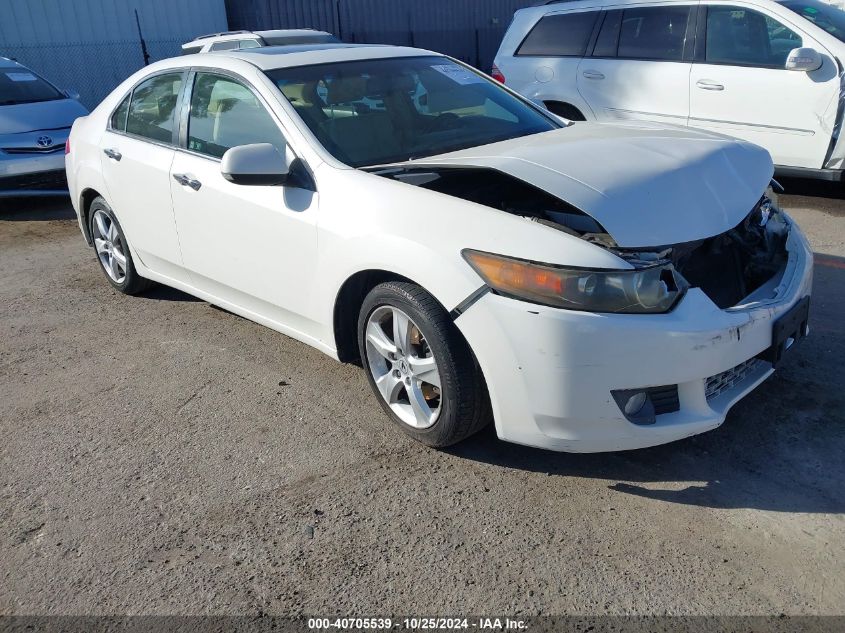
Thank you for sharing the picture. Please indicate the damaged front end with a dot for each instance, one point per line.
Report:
(740, 266)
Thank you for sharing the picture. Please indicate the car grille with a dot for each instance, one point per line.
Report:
(664, 399)
(41, 181)
(729, 379)
(34, 150)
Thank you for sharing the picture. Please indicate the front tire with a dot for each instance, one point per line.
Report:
(420, 368)
(112, 250)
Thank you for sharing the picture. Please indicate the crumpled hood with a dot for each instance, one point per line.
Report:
(43, 115)
(648, 185)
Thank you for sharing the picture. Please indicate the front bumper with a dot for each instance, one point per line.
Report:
(35, 173)
(550, 372)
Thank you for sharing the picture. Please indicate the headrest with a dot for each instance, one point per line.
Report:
(346, 90)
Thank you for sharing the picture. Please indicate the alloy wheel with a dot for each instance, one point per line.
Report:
(403, 367)
(109, 245)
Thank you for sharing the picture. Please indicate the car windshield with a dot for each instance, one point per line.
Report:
(826, 17)
(21, 85)
(380, 111)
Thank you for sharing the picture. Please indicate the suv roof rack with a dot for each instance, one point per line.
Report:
(205, 37)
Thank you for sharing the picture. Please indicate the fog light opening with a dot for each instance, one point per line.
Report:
(636, 405)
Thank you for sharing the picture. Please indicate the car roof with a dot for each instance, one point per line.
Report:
(273, 57)
(552, 6)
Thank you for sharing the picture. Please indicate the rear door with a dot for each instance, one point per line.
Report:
(739, 85)
(640, 65)
(253, 246)
(138, 149)
(545, 64)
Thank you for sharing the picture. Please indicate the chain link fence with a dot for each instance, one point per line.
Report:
(93, 69)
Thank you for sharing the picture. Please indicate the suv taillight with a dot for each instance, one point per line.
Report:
(497, 74)
(67, 146)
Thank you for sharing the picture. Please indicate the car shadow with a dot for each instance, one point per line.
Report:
(782, 448)
(166, 293)
(812, 188)
(37, 208)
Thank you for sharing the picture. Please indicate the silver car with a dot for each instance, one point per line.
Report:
(35, 120)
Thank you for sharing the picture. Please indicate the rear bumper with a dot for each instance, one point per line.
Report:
(550, 372)
(33, 175)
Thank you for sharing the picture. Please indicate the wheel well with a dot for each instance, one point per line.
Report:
(348, 305)
(566, 110)
(85, 201)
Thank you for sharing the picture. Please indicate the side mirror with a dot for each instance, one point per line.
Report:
(803, 59)
(257, 164)
(71, 94)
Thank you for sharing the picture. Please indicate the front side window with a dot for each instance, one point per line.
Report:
(564, 35)
(20, 85)
(225, 114)
(390, 110)
(152, 111)
(656, 33)
(743, 37)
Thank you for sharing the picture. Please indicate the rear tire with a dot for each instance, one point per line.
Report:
(428, 383)
(113, 253)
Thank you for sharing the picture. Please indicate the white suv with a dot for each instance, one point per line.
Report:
(763, 71)
(236, 40)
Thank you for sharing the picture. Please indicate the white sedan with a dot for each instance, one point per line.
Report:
(587, 287)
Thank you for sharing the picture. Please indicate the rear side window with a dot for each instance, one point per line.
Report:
(225, 114)
(655, 33)
(118, 117)
(152, 111)
(562, 35)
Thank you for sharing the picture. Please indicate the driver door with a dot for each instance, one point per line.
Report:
(251, 246)
(739, 85)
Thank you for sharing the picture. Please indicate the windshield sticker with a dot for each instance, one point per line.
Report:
(21, 76)
(458, 74)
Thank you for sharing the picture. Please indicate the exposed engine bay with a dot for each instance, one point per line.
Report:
(729, 268)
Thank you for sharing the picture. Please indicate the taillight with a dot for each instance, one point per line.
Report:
(67, 146)
(497, 74)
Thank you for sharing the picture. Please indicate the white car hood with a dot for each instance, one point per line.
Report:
(647, 185)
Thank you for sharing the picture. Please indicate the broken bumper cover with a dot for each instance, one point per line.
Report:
(550, 372)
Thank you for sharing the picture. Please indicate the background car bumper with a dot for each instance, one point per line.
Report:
(33, 174)
(550, 372)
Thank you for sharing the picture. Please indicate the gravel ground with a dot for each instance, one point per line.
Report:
(161, 456)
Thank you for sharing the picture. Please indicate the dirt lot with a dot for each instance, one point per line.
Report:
(160, 456)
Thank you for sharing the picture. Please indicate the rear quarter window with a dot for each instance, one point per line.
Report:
(561, 35)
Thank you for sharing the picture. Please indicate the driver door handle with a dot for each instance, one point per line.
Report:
(593, 74)
(187, 180)
(706, 84)
(113, 154)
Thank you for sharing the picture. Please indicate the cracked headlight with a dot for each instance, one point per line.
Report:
(653, 289)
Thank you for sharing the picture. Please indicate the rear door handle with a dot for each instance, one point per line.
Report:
(186, 180)
(593, 74)
(113, 154)
(706, 84)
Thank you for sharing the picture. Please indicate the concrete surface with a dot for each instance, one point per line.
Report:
(161, 456)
